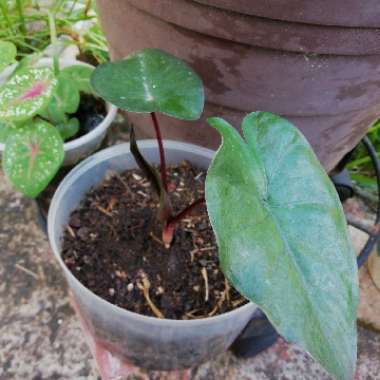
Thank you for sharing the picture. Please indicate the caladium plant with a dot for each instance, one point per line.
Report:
(279, 225)
(36, 104)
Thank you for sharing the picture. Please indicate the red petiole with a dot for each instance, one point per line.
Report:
(162, 152)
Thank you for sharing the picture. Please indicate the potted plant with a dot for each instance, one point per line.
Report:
(153, 283)
(49, 117)
(314, 62)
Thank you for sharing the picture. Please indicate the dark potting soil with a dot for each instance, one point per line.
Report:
(113, 245)
(90, 113)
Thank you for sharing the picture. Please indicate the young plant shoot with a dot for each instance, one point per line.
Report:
(152, 81)
(278, 221)
(35, 108)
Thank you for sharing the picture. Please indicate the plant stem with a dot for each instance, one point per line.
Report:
(162, 152)
(175, 219)
(168, 231)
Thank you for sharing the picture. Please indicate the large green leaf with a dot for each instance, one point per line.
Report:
(32, 156)
(79, 76)
(283, 239)
(26, 93)
(151, 80)
(8, 54)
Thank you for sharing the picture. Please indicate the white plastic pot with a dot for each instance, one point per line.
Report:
(83, 146)
(158, 344)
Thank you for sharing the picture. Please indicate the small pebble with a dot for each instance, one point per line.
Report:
(111, 291)
(196, 288)
(160, 290)
(130, 287)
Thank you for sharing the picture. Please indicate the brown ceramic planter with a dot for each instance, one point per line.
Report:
(324, 78)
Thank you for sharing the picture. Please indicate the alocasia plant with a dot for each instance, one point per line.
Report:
(279, 225)
(151, 81)
(36, 104)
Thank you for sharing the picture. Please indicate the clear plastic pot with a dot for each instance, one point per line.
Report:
(159, 344)
(83, 146)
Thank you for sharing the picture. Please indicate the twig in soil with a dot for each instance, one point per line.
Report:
(227, 289)
(218, 305)
(156, 239)
(120, 178)
(205, 278)
(71, 231)
(199, 175)
(145, 286)
(238, 302)
(113, 201)
(27, 271)
(190, 314)
(103, 210)
(204, 249)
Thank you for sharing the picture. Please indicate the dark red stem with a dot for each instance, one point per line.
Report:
(173, 221)
(162, 152)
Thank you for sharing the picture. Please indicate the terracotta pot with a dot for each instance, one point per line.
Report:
(319, 66)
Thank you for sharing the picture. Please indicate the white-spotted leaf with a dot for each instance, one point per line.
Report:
(8, 54)
(26, 93)
(32, 156)
(151, 80)
(282, 237)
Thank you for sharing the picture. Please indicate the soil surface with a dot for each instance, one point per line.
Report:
(113, 246)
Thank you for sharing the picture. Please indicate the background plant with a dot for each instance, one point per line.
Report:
(25, 24)
(36, 107)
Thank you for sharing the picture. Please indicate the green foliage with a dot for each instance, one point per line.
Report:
(26, 93)
(32, 156)
(282, 237)
(79, 76)
(26, 26)
(8, 54)
(65, 100)
(69, 128)
(52, 94)
(151, 80)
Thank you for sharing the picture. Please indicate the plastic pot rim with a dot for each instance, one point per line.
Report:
(81, 169)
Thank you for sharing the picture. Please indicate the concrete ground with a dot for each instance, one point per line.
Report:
(40, 337)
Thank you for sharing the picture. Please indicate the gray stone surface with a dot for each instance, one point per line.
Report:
(40, 338)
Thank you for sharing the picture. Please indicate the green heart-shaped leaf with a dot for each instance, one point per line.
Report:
(8, 54)
(79, 76)
(65, 100)
(69, 128)
(26, 93)
(32, 156)
(151, 80)
(283, 239)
